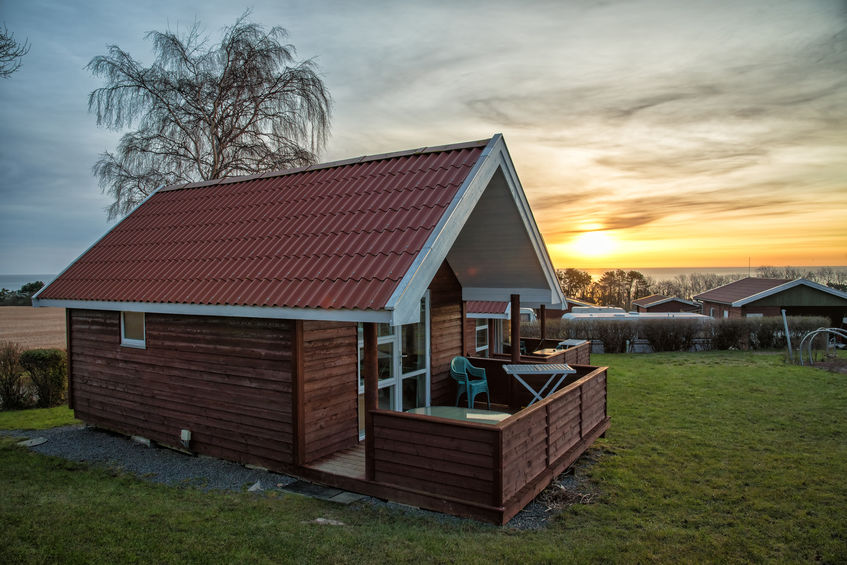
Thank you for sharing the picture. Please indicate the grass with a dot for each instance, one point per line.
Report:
(712, 457)
(37, 418)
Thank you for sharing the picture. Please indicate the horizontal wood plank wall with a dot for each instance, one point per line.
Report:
(227, 380)
(446, 323)
(547, 431)
(330, 388)
(441, 458)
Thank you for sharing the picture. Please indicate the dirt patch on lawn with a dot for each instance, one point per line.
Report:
(33, 328)
(832, 365)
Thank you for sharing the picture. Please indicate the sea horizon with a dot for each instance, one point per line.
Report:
(669, 273)
(14, 282)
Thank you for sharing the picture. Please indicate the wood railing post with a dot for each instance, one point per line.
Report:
(581, 411)
(543, 322)
(516, 328)
(547, 431)
(371, 379)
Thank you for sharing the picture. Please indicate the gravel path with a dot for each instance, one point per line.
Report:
(162, 465)
(156, 464)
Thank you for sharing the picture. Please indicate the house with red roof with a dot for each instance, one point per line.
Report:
(662, 303)
(305, 321)
(753, 296)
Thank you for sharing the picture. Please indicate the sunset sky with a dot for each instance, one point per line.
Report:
(645, 133)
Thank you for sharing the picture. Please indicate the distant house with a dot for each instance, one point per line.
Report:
(768, 297)
(662, 303)
(294, 319)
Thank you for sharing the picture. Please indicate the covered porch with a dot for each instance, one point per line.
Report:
(487, 471)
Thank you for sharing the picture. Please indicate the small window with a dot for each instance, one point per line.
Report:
(132, 329)
(482, 337)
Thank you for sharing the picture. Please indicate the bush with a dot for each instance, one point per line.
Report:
(670, 334)
(48, 371)
(729, 333)
(12, 390)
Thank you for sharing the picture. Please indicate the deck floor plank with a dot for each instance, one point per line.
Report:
(347, 462)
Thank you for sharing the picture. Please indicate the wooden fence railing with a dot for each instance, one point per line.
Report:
(497, 468)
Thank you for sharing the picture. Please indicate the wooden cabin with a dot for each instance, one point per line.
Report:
(753, 296)
(661, 303)
(293, 319)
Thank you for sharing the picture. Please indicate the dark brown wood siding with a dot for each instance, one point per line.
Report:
(227, 380)
(493, 470)
(330, 388)
(446, 326)
(450, 459)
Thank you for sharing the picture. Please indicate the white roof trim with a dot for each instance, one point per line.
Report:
(407, 294)
(667, 299)
(786, 286)
(529, 221)
(404, 301)
(379, 316)
(530, 297)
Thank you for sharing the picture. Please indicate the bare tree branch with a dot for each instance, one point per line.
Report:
(243, 106)
(11, 53)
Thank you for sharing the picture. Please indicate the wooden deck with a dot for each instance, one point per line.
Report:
(345, 463)
(483, 471)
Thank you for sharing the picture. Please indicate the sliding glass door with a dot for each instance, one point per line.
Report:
(402, 365)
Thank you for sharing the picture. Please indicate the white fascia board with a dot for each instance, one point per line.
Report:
(528, 218)
(377, 316)
(786, 286)
(530, 297)
(405, 301)
(487, 316)
(664, 300)
(96, 241)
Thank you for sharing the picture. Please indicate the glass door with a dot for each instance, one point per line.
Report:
(402, 365)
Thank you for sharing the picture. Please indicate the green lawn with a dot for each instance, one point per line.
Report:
(37, 418)
(712, 457)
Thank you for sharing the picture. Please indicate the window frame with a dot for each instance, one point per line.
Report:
(482, 324)
(132, 342)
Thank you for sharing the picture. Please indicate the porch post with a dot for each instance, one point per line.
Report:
(516, 328)
(371, 394)
(543, 324)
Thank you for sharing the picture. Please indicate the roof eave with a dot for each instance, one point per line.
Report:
(786, 286)
(226, 310)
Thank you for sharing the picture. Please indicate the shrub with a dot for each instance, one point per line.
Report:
(614, 334)
(48, 371)
(12, 391)
(670, 334)
(730, 333)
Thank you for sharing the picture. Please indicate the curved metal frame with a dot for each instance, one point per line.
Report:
(809, 339)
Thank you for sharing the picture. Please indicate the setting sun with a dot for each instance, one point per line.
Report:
(594, 244)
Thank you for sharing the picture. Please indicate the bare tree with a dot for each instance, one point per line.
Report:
(11, 53)
(241, 107)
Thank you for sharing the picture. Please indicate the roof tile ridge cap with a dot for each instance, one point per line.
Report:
(318, 166)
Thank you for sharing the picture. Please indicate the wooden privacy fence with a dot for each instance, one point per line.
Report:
(489, 471)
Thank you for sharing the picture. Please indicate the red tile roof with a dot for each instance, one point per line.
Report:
(739, 290)
(649, 299)
(486, 307)
(335, 236)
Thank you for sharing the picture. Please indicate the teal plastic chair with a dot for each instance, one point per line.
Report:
(472, 380)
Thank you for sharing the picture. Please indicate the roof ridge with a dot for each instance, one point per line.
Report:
(329, 165)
